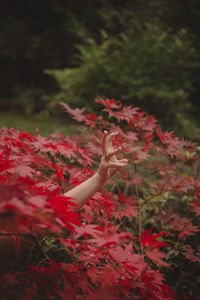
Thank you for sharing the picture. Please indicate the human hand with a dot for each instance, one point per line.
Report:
(109, 163)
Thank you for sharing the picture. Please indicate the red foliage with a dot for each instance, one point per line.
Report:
(114, 254)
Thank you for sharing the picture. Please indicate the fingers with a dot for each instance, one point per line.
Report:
(107, 145)
(124, 160)
(111, 135)
(109, 139)
(105, 134)
(109, 162)
(112, 153)
(117, 164)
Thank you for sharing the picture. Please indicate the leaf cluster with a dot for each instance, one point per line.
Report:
(132, 240)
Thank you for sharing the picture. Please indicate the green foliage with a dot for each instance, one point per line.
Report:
(45, 124)
(145, 64)
(34, 36)
(143, 53)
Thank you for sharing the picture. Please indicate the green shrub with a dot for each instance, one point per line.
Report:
(145, 65)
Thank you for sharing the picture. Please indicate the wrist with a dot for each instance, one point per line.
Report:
(101, 178)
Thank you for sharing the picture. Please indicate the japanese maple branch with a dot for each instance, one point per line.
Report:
(32, 236)
(139, 214)
(197, 175)
(53, 160)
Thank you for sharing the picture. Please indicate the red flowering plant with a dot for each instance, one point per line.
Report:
(136, 238)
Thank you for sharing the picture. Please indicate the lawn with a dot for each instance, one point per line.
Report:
(46, 125)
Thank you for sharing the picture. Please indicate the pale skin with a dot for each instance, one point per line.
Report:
(109, 165)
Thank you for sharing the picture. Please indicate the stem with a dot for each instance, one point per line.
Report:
(139, 218)
(197, 170)
(32, 236)
(16, 234)
(53, 160)
(139, 215)
(38, 246)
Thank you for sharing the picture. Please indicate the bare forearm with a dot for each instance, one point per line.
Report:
(109, 165)
(84, 191)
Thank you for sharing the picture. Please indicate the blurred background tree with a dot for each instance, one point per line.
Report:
(142, 53)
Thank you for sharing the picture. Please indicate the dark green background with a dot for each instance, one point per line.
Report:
(97, 42)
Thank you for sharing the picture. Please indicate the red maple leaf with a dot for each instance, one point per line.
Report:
(76, 113)
(195, 207)
(127, 211)
(109, 103)
(139, 153)
(66, 150)
(87, 230)
(126, 114)
(87, 157)
(5, 164)
(126, 256)
(23, 170)
(150, 240)
(156, 257)
(63, 208)
(183, 226)
(188, 251)
(37, 201)
(59, 172)
(111, 236)
(91, 120)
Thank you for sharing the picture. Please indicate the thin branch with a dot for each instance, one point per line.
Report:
(46, 238)
(43, 260)
(28, 235)
(139, 215)
(54, 161)
(34, 236)
(16, 234)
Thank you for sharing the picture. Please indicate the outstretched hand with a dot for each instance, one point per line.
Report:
(108, 166)
(109, 163)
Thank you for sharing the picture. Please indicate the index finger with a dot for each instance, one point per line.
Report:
(109, 138)
(103, 144)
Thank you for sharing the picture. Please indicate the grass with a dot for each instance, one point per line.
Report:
(46, 125)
